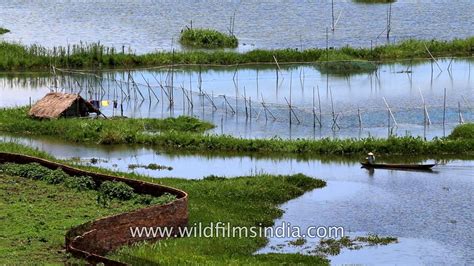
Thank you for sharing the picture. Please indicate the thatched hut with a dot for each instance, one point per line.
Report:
(55, 105)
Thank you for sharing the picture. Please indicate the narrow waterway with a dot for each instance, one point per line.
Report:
(430, 212)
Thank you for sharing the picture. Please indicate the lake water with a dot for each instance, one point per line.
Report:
(430, 212)
(148, 25)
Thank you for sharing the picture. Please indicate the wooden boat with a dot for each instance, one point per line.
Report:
(398, 166)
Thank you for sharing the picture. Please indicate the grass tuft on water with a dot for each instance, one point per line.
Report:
(346, 67)
(463, 132)
(3, 30)
(207, 38)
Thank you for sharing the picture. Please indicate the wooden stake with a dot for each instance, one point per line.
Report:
(231, 108)
(427, 120)
(461, 119)
(390, 111)
(360, 117)
(444, 113)
(432, 57)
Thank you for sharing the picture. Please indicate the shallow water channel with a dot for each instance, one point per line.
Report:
(430, 212)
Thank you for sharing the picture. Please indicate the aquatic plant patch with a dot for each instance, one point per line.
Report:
(333, 247)
(207, 38)
(3, 31)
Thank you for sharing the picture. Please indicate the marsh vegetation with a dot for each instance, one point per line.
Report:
(95, 55)
(207, 38)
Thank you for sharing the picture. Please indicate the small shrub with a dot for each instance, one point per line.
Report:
(32, 171)
(55, 177)
(463, 132)
(118, 190)
(80, 183)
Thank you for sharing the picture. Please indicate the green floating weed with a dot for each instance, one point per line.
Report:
(207, 38)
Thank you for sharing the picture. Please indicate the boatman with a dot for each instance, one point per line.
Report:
(370, 158)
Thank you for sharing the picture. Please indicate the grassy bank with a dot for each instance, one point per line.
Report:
(19, 57)
(135, 131)
(104, 131)
(207, 38)
(241, 201)
(39, 214)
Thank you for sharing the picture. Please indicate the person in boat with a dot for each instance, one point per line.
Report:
(370, 158)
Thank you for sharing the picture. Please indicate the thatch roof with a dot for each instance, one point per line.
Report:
(56, 104)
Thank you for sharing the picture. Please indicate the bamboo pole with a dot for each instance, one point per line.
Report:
(461, 119)
(444, 113)
(231, 108)
(390, 111)
(334, 116)
(150, 89)
(320, 111)
(427, 120)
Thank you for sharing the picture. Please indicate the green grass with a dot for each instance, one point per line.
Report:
(240, 201)
(104, 131)
(3, 30)
(463, 132)
(176, 136)
(35, 216)
(14, 57)
(38, 214)
(207, 38)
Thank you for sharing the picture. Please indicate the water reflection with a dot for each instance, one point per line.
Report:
(251, 102)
